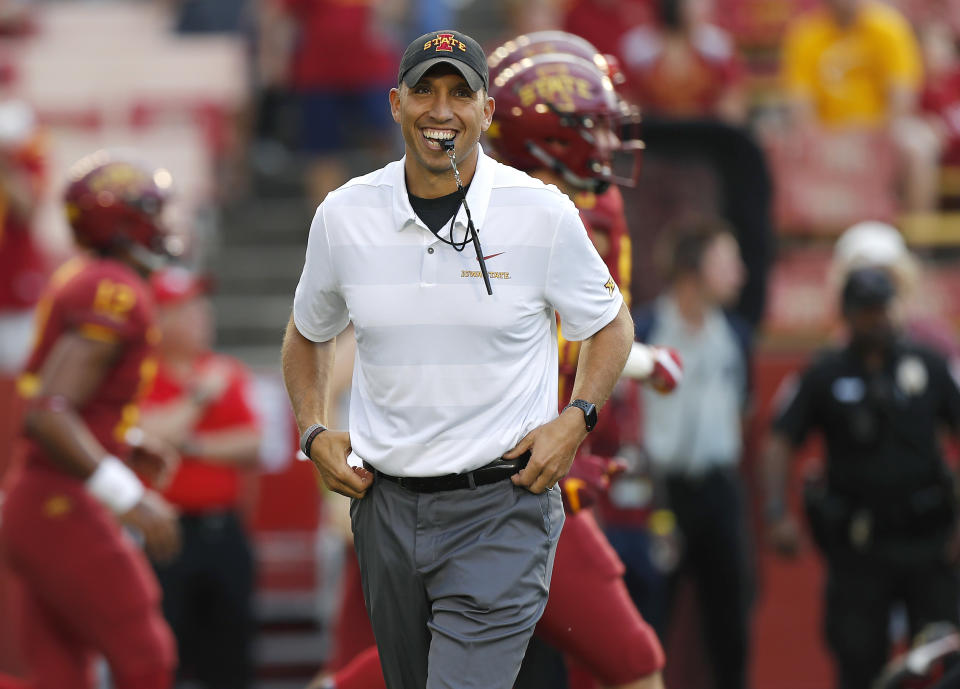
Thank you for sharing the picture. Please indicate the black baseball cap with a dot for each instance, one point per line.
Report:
(452, 47)
(867, 288)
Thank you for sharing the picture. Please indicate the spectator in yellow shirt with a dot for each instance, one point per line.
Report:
(856, 63)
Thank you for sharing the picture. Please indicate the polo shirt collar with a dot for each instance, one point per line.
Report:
(478, 195)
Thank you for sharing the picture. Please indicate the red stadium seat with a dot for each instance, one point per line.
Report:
(826, 181)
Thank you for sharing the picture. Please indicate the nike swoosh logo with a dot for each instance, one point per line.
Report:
(487, 258)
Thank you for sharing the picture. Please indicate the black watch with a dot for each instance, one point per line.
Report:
(589, 412)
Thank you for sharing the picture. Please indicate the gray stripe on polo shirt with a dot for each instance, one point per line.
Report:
(401, 262)
(450, 385)
(432, 423)
(378, 265)
(425, 345)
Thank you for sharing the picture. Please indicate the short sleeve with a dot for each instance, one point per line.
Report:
(902, 54)
(107, 307)
(319, 311)
(794, 407)
(579, 285)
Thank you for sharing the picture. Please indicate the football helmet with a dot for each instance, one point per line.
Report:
(540, 42)
(560, 112)
(114, 202)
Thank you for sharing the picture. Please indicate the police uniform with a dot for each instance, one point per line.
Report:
(886, 509)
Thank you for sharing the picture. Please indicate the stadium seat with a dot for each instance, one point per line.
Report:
(826, 181)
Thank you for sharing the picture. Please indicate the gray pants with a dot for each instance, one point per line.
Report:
(455, 581)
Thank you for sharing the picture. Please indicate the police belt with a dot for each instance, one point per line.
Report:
(497, 470)
(923, 512)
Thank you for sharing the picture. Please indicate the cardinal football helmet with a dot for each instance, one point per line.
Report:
(114, 202)
(560, 112)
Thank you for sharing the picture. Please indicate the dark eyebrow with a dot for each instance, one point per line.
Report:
(426, 80)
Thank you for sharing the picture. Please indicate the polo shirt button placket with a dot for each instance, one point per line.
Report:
(428, 273)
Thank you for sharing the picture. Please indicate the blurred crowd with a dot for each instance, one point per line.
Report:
(789, 146)
(883, 75)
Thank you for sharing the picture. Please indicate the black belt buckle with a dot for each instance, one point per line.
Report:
(500, 469)
(497, 470)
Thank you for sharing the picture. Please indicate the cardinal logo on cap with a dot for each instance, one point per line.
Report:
(444, 42)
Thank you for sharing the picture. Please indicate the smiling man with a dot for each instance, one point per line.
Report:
(454, 446)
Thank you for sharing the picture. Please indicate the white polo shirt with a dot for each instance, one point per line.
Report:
(448, 378)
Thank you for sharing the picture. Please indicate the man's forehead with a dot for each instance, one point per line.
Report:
(441, 70)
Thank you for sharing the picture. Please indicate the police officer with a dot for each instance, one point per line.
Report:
(884, 515)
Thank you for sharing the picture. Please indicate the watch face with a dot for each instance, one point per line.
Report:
(590, 414)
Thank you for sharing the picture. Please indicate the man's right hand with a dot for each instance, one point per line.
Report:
(783, 535)
(157, 521)
(329, 454)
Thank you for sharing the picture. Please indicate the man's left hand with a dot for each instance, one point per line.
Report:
(552, 449)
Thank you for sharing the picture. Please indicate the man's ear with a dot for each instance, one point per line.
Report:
(395, 104)
(488, 107)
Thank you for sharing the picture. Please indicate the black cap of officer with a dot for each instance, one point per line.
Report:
(867, 288)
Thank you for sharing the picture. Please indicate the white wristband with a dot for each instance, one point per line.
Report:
(640, 362)
(115, 485)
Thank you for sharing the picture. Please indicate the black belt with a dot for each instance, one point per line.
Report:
(497, 470)
(212, 519)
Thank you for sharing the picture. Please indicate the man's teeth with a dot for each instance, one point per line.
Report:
(437, 135)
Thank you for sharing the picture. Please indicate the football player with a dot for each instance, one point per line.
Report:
(88, 587)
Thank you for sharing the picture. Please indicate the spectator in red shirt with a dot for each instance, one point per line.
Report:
(603, 22)
(341, 66)
(22, 264)
(940, 99)
(683, 66)
(200, 402)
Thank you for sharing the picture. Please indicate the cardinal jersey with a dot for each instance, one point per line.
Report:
(603, 216)
(607, 225)
(103, 300)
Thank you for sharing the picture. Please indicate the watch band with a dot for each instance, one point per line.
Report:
(589, 412)
(308, 436)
